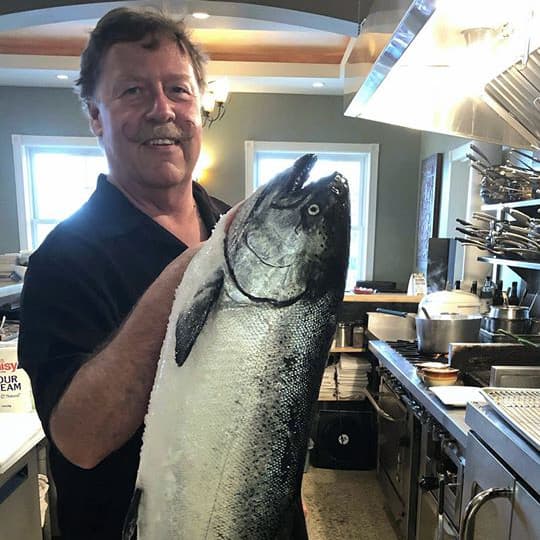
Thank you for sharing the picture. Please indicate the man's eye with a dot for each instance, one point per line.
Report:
(132, 91)
(179, 91)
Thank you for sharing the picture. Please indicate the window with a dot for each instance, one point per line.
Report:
(54, 176)
(357, 162)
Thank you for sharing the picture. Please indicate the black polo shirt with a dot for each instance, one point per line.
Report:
(81, 284)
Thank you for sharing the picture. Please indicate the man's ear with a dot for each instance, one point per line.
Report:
(95, 119)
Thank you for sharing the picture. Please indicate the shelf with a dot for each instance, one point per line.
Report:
(383, 297)
(517, 204)
(9, 292)
(347, 349)
(511, 262)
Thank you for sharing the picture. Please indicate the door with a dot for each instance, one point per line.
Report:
(427, 525)
(526, 515)
(489, 515)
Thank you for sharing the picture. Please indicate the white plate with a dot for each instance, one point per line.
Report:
(457, 396)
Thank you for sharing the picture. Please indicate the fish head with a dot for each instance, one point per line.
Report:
(291, 238)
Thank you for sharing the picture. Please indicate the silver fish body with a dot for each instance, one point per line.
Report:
(248, 337)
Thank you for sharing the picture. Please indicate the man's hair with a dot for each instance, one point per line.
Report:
(130, 25)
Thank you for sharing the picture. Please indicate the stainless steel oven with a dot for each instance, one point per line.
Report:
(442, 466)
(398, 453)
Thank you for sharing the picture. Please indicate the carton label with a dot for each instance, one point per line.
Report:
(15, 387)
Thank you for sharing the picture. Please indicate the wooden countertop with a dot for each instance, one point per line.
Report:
(383, 297)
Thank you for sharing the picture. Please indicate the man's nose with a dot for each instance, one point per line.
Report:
(161, 108)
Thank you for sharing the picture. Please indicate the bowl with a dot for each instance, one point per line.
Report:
(436, 376)
(439, 381)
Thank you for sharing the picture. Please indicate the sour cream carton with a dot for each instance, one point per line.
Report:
(15, 387)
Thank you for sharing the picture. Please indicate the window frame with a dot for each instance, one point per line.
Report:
(369, 208)
(21, 145)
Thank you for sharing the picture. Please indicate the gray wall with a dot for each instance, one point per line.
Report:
(432, 143)
(30, 111)
(263, 117)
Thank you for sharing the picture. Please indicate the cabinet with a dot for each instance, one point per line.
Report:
(496, 504)
(19, 500)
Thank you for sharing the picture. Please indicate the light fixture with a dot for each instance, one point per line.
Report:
(200, 15)
(213, 101)
(62, 77)
(318, 84)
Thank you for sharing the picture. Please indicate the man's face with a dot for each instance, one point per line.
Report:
(147, 114)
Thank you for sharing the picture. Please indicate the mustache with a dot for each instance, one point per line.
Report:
(166, 131)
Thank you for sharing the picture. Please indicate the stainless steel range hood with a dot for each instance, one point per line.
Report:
(462, 67)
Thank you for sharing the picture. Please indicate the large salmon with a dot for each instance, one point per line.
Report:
(241, 365)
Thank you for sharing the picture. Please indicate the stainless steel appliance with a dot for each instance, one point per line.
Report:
(499, 506)
(398, 452)
(418, 454)
(515, 376)
(442, 465)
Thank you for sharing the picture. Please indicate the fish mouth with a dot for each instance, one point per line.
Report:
(291, 192)
(301, 169)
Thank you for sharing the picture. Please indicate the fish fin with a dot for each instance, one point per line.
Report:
(191, 321)
(129, 532)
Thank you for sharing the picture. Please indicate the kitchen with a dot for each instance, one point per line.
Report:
(268, 117)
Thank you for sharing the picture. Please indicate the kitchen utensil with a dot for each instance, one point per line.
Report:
(388, 327)
(434, 335)
(509, 312)
(460, 302)
(477, 150)
(343, 335)
(519, 339)
(514, 326)
(439, 376)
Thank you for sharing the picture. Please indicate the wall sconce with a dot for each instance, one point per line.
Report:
(213, 101)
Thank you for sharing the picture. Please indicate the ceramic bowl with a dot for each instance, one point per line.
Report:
(440, 376)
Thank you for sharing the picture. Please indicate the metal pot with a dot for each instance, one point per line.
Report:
(509, 312)
(515, 326)
(434, 335)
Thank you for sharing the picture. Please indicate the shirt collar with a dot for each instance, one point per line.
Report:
(117, 215)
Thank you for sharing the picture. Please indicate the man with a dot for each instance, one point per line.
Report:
(99, 290)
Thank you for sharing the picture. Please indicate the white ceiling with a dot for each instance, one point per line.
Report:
(258, 48)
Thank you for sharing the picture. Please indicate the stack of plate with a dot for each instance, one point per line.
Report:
(352, 376)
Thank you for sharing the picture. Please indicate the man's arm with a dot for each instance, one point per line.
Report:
(106, 401)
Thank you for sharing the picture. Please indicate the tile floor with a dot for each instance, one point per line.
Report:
(345, 505)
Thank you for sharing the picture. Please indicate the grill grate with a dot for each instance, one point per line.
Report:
(520, 407)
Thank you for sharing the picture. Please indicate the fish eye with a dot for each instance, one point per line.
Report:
(313, 209)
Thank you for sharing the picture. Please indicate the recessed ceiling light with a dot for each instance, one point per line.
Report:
(62, 77)
(200, 15)
(318, 84)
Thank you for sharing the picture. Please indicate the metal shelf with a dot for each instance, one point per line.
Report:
(511, 262)
(517, 204)
(10, 293)
(347, 349)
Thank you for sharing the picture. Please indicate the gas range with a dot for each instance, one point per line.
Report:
(409, 350)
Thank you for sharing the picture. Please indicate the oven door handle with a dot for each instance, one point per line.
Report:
(467, 528)
(380, 412)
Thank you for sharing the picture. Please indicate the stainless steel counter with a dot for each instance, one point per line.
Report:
(451, 418)
(520, 456)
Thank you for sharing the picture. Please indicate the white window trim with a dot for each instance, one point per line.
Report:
(370, 201)
(20, 143)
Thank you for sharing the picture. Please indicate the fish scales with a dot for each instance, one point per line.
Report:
(227, 430)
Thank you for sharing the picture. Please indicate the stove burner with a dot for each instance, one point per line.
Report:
(409, 350)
